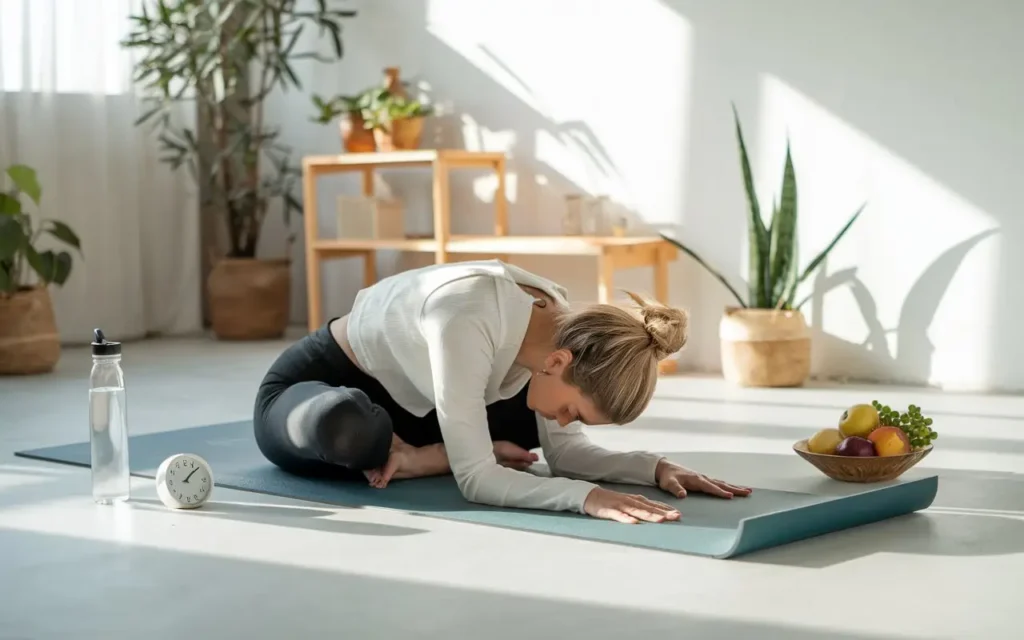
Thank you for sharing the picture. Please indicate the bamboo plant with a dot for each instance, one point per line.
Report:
(774, 273)
(224, 58)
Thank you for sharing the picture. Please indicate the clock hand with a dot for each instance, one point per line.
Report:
(190, 475)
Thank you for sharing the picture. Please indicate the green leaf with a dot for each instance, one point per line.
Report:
(757, 280)
(25, 179)
(61, 267)
(7, 283)
(704, 264)
(12, 237)
(791, 278)
(64, 233)
(821, 256)
(781, 252)
(37, 261)
(9, 205)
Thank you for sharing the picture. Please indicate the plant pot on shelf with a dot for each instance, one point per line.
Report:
(404, 135)
(355, 137)
(249, 298)
(29, 341)
(765, 347)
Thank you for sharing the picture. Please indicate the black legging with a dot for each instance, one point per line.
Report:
(318, 414)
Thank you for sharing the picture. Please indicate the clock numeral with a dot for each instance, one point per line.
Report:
(202, 490)
(195, 497)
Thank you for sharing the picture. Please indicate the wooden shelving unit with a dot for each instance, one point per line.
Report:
(612, 253)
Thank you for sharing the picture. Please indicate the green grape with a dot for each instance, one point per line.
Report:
(934, 435)
(904, 418)
(927, 422)
(886, 409)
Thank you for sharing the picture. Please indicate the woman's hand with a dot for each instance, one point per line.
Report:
(628, 508)
(680, 480)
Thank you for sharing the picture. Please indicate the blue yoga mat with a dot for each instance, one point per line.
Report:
(784, 508)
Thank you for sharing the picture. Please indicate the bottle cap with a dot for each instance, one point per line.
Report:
(101, 347)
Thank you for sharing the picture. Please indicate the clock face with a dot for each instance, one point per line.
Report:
(188, 480)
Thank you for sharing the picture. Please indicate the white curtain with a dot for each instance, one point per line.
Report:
(67, 108)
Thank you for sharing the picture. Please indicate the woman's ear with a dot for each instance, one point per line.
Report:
(557, 362)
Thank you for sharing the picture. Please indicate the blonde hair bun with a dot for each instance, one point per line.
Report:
(667, 327)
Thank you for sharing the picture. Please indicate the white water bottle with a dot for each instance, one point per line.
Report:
(108, 423)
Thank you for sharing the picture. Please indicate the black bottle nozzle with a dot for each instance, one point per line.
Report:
(101, 347)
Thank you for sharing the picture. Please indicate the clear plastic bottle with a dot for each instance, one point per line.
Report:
(108, 423)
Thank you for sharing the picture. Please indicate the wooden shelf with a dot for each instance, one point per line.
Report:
(501, 245)
(418, 158)
(611, 253)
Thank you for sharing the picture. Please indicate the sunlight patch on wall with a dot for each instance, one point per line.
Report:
(626, 140)
(478, 137)
(925, 264)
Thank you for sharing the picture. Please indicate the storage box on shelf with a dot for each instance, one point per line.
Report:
(612, 252)
(370, 218)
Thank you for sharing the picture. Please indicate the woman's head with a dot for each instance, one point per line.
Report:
(604, 366)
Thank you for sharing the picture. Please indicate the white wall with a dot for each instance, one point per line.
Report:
(912, 107)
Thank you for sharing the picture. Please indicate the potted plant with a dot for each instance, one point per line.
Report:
(396, 120)
(29, 340)
(222, 60)
(356, 135)
(765, 340)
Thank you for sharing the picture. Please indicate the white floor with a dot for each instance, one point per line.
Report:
(252, 566)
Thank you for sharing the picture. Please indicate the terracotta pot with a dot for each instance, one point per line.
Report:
(29, 341)
(249, 298)
(764, 347)
(354, 136)
(405, 135)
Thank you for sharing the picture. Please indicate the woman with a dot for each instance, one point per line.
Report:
(464, 368)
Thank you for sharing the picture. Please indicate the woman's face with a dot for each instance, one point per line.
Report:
(555, 399)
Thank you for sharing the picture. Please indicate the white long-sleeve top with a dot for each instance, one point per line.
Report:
(446, 337)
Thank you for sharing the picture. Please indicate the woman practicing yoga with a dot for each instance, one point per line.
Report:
(466, 367)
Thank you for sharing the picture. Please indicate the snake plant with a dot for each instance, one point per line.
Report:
(774, 266)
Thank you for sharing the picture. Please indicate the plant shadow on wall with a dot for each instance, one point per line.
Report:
(29, 340)
(765, 341)
(910, 360)
(226, 58)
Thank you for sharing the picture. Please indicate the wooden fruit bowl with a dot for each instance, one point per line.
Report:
(857, 469)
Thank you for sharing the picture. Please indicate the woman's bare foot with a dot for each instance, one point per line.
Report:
(407, 461)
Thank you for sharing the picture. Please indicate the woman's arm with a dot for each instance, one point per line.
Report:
(461, 345)
(570, 453)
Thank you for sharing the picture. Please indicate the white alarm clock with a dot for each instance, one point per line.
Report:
(184, 481)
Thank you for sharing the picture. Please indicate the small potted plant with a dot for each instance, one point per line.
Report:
(356, 135)
(396, 120)
(765, 340)
(29, 340)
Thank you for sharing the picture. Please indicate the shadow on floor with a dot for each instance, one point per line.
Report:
(232, 597)
(284, 516)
